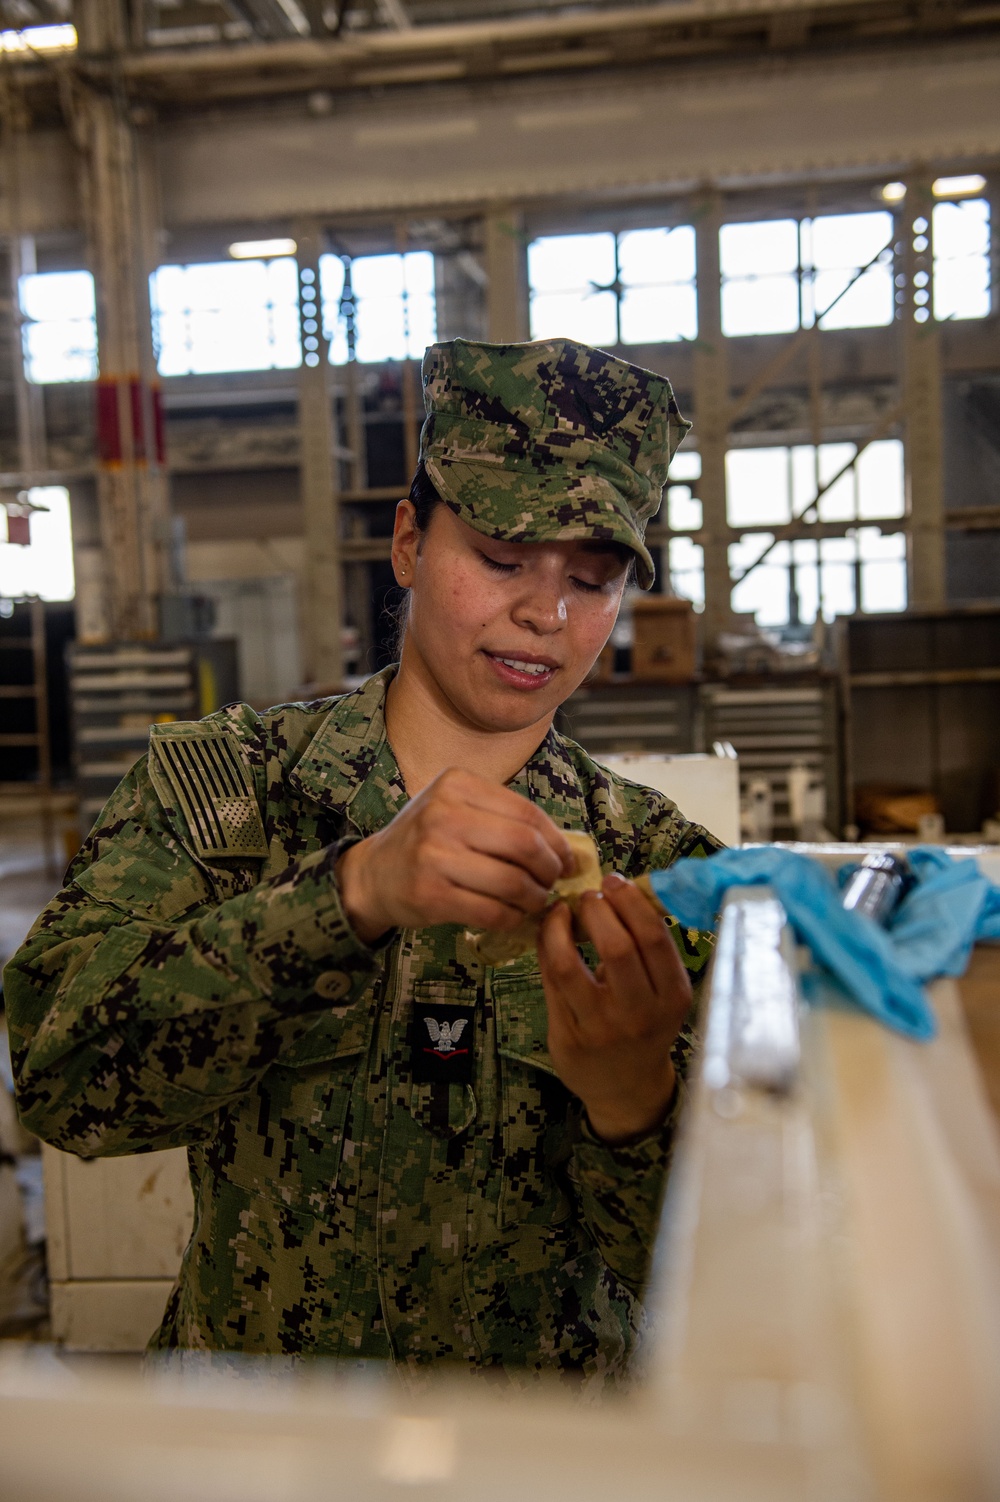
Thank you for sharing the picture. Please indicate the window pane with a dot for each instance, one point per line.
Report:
(807, 589)
(873, 545)
(381, 329)
(59, 335)
(45, 568)
(961, 229)
(558, 263)
(883, 585)
(226, 315)
(764, 592)
(880, 479)
(590, 318)
(962, 288)
(835, 241)
(757, 486)
(60, 351)
(687, 570)
(658, 314)
(839, 503)
(648, 257)
(759, 249)
(686, 465)
(764, 305)
(838, 589)
(836, 504)
(57, 295)
(683, 510)
(377, 276)
(868, 304)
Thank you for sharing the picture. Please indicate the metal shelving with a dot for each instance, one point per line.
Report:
(116, 693)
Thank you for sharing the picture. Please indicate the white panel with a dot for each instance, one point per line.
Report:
(706, 789)
(115, 1316)
(125, 1217)
(410, 148)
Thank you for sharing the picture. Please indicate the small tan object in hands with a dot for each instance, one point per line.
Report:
(495, 948)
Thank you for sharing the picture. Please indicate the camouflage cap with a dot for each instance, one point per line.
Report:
(548, 441)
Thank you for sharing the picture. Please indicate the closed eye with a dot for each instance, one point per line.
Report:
(496, 567)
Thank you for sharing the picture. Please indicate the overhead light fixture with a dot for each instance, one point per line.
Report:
(261, 250)
(894, 192)
(958, 187)
(38, 39)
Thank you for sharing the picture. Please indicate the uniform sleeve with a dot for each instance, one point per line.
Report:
(621, 1188)
(139, 1005)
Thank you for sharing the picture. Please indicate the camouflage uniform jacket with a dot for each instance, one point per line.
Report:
(166, 997)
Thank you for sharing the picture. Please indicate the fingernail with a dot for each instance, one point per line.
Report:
(615, 879)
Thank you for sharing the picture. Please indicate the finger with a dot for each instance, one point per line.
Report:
(493, 797)
(491, 877)
(514, 841)
(472, 910)
(660, 955)
(625, 973)
(566, 979)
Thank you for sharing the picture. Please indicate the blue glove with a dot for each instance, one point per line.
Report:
(853, 948)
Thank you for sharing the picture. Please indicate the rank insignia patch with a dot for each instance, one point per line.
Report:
(441, 1043)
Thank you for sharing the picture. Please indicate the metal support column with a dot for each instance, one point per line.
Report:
(322, 583)
(922, 398)
(711, 419)
(131, 478)
(507, 270)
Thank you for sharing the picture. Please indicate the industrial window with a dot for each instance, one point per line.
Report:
(773, 485)
(391, 303)
(633, 288)
(783, 274)
(685, 557)
(58, 327)
(226, 316)
(796, 581)
(45, 566)
(962, 259)
(866, 570)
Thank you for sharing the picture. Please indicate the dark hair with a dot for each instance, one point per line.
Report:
(423, 497)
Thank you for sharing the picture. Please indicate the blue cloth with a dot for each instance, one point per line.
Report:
(932, 933)
(952, 905)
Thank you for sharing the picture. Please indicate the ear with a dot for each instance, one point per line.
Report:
(405, 542)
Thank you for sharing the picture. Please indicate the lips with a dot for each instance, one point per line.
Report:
(522, 670)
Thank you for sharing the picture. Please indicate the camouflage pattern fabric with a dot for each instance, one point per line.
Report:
(550, 441)
(341, 1207)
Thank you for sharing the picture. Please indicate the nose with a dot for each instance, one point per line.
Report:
(541, 606)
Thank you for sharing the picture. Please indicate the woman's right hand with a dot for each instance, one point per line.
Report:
(464, 850)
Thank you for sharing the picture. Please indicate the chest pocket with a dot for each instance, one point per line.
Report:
(444, 1109)
(535, 1107)
(285, 1139)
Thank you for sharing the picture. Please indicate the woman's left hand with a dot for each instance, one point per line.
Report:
(611, 1031)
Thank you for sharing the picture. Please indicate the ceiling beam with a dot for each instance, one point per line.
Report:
(681, 30)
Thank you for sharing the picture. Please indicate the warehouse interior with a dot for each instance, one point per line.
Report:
(228, 231)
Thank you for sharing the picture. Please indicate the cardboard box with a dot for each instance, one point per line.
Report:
(665, 640)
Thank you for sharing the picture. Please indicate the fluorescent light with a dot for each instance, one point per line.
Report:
(261, 250)
(958, 187)
(38, 39)
(894, 192)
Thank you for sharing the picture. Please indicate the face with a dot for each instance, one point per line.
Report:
(503, 631)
